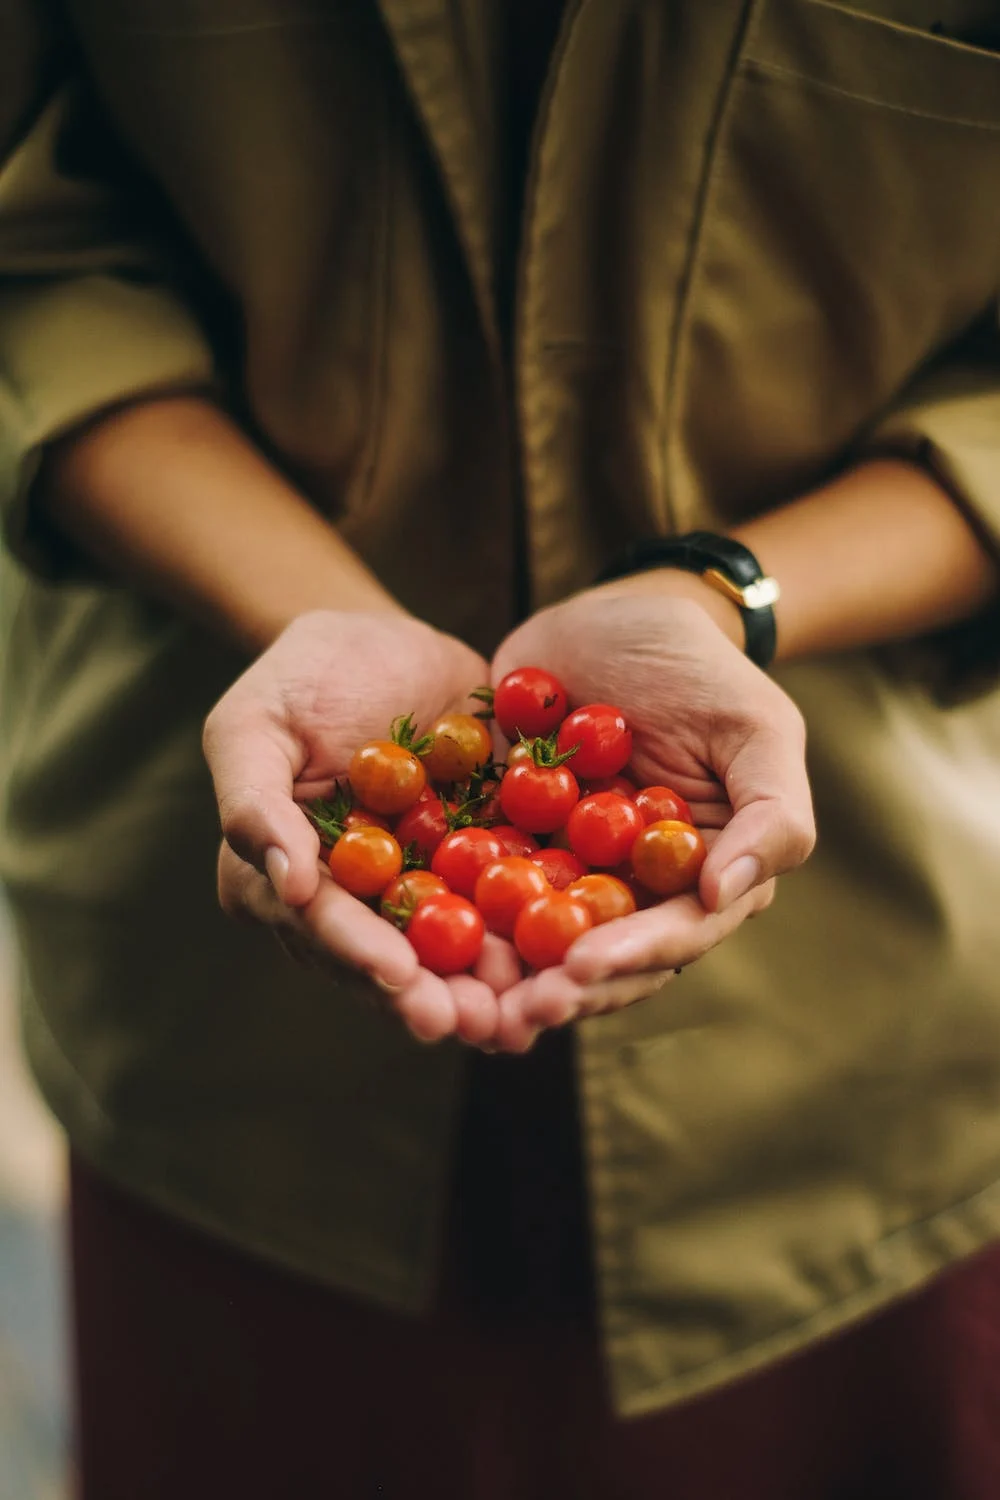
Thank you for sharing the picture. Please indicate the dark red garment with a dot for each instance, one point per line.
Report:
(204, 1373)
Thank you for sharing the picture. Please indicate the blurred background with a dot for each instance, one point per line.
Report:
(33, 1386)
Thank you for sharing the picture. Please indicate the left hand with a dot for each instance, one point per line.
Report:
(707, 723)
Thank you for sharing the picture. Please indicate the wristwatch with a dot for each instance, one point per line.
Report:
(724, 565)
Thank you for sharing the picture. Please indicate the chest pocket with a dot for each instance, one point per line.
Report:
(850, 233)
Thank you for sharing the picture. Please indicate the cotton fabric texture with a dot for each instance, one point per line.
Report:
(759, 241)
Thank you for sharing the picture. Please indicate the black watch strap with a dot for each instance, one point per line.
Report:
(725, 565)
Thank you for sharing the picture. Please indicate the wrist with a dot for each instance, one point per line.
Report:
(677, 583)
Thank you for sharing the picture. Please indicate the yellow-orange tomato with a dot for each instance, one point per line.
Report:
(461, 744)
(386, 777)
(605, 897)
(365, 859)
(667, 857)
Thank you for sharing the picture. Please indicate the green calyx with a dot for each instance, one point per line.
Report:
(463, 805)
(545, 752)
(413, 857)
(403, 732)
(327, 814)
(484, 695)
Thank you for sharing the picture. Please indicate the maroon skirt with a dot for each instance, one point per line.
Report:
(202, 1372)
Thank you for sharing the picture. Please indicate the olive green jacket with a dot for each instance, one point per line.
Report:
(759, 240)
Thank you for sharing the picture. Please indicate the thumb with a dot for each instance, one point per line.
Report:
(772, 828)
(253, 766)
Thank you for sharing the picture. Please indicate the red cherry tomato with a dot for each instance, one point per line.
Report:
(461, 744)
(424, 824)
(447, 934)
(365, 859)
(529, 701)
(603, 739)
(620, 784)
(659, 804)
(489, 810)
(504, 887)
(515, 840)
(538, 799)
(667, 857)
(547, 926)
(603, 827)
(559, 866)
(386, 777)
(403, 895)
(605, 897)
(461, 857)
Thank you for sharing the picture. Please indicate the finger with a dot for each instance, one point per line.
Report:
(711, 815)
(254, 762)
(666, 936)
(353, 934)
(477, 1009)
(772, 828)
(245, 894)
(427, 1007)
(550, 998)
(338, 929)
(514, 1032)
(498, 964)
(615, 994)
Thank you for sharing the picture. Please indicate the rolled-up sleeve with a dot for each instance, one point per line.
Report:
(948, 421)
(90, 315)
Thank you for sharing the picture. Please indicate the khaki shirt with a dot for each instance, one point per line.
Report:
(759, 241)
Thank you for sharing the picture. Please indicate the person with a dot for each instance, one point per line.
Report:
(346, 352)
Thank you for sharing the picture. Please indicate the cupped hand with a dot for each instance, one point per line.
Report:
(707, 723)
(281, 735)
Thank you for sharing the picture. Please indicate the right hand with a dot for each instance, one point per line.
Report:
(280, 736)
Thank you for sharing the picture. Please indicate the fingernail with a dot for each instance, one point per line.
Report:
(276, 865)
(741, 876)
(385, 986)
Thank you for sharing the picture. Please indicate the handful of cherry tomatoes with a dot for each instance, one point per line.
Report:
(449, 843)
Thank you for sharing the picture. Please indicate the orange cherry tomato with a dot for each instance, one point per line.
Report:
(547, 926)
(365, 859)
(605, 897)
(461, 744)
(667, 857)
(403, 895)
(386, 777)
(504, 887)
